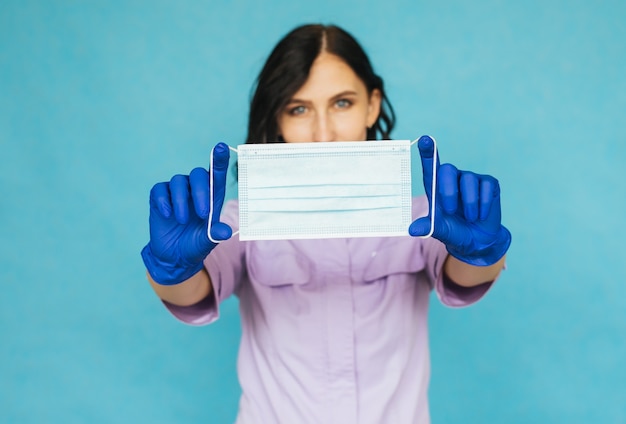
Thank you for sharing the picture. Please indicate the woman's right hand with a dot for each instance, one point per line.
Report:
(179, 218)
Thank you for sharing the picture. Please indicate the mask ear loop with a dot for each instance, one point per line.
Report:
(433, 188)
(211, 185)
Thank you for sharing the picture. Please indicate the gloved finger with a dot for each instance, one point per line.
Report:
(448, 187)
(426, 147)
(160, 199)
(469, 186)
(199, 188)
(221, 156)
(489, 195)
(179, 192)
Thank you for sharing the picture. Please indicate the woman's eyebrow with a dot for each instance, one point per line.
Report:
(345, 93)
(294, 100)
(334, 97)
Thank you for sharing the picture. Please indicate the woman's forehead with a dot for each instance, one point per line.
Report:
(329, 76)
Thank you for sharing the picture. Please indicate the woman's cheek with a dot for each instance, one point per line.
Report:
(296, 131)
(352, 130)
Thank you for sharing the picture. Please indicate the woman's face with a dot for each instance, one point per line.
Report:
(332, 105)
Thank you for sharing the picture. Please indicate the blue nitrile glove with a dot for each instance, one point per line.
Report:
(467, 211)
(179, 212)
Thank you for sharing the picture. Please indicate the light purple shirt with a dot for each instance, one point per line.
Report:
(334, 330)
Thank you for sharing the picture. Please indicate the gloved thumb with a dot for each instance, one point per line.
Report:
(221, 231)
(420, 227)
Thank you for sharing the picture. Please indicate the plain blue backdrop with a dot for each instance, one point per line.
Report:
(100, 100)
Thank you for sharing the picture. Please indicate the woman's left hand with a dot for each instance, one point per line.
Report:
(467, 211)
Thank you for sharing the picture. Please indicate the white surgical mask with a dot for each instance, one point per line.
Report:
(325, 190)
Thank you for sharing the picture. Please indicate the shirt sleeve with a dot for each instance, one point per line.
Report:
(435, 254)
(225, 266)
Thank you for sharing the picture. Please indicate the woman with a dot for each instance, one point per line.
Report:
(332, 330)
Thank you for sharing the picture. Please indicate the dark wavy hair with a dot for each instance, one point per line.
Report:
(287, 69)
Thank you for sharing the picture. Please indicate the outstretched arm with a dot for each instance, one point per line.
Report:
(469, 275)
(467, 219)
(187, 293)
(179, 241)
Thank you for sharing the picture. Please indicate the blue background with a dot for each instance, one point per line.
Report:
(100, 100)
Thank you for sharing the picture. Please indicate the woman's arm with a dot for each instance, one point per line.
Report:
(187, 293)
(467, 275)
(179, 243)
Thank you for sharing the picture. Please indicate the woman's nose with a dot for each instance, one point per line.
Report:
(323, 129)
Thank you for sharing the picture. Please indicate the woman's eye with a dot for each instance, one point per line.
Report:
(343, 103)
(298, 110)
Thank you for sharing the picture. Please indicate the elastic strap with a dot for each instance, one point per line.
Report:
(433, 193)
(211, 185)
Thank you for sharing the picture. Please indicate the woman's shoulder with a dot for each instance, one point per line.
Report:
(231, 204)
(420, 206)
(230, 213)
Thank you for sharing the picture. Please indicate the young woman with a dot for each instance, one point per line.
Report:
(333, 330)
